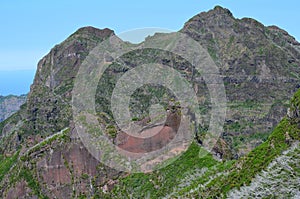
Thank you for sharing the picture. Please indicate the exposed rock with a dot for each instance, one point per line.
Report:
(48, 102)
(20, 190)
(259, 66)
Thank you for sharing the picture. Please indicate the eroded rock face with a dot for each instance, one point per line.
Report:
(257, 63)
(67, 170)
(163, 134)
(48, 103)
(20, 190)
(64, 169)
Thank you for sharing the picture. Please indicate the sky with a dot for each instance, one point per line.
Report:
(29, 29)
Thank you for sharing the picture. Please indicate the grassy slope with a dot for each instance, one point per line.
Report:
(185, 177)
(185, 170)
(219, 177)
(6, 164)
(247, 167)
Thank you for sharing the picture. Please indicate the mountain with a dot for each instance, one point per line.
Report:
(270, 170)
(44, 157)
(10, 104)
(260, 66)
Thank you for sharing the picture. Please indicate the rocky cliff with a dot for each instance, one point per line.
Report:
(260, 66)
(43, 157)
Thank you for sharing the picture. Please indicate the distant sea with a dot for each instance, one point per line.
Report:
(16, 82)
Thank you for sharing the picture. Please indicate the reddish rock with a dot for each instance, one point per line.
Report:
(147, 144)
(20, 191)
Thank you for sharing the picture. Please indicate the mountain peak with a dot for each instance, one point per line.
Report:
(90, 30)
(218, 16)
(220, 10)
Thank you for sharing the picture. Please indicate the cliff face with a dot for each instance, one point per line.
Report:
(260, 66)
(44, 157)
(48, 107)
(9, 105)
(42, 132)
(48, 103)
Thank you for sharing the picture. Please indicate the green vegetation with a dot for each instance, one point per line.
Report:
(111, 131)
(32, 183)
(247, 167)
(20, 172)
(64, 88)
(246, 104)
(240, 172)
(247, 51)
(218, 178)
(6, 164)
(13, 119)
(62, 135)
(241, 139)
(213, 53)
(231, 40)
(164, 180)
(261, 51)
(235, 127)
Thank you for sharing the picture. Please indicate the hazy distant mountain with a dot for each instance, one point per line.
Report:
(10, 104)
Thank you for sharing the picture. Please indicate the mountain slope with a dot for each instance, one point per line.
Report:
(206, 178)
(202, 177)
(43, 156)
(260, 66)
(281, 177)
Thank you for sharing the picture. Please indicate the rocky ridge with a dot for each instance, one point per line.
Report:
(43, 156)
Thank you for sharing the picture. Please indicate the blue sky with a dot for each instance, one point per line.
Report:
(29, 29)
